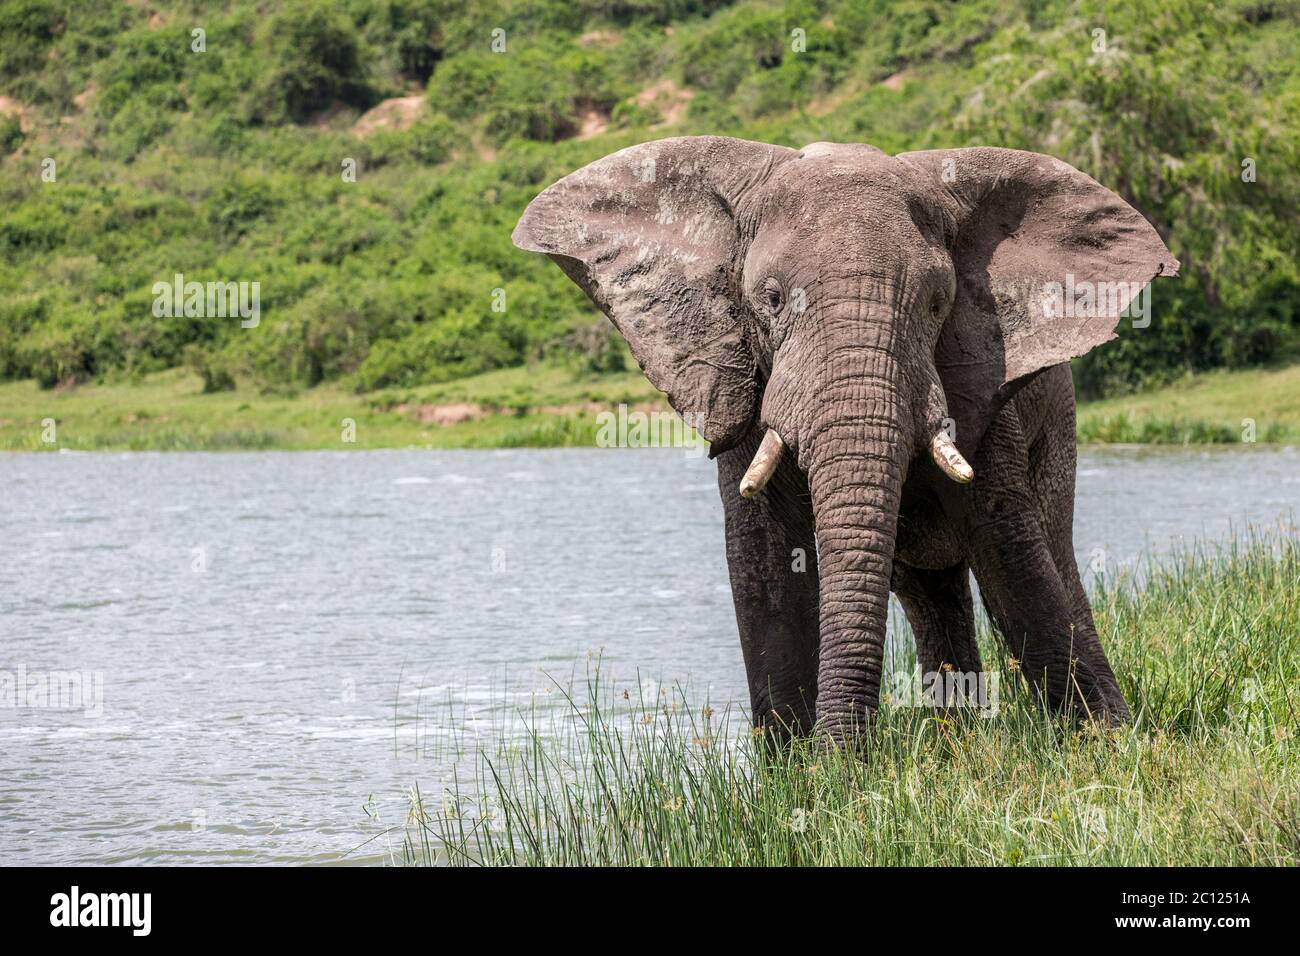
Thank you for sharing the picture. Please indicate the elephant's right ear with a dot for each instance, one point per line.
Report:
(650, 234)
(1026, 232)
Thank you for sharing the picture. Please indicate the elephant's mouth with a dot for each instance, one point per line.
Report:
(942, 449)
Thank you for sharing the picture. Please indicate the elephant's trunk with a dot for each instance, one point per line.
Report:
(853, 416)
(858, 446)
(855, 493)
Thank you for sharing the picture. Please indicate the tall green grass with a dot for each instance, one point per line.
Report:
(1124, 428)
(1207, 646)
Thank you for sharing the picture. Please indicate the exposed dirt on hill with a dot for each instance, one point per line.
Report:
(600, 38)
(846, 91)
(593, 122)
(669, 99)
(399, 113)
(897, 81)
(11, 107)
(452, 414)
(84, 97)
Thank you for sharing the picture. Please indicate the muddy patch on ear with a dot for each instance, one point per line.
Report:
(818, 150)
(813, 150)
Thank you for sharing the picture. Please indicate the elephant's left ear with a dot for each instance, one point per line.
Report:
(1047, 260)
(650, 234)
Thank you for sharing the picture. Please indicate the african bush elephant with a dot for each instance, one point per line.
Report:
(876, 348)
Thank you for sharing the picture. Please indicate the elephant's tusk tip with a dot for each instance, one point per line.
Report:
(950, 460)
(763, 466)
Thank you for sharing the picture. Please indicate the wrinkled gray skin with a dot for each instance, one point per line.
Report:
(857, 303)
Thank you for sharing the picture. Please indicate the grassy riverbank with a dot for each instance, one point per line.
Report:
(537, 406)
(1208, 652)
(541, 406)
(1212, 408)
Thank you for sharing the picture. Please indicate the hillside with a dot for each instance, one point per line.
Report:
(364, 163)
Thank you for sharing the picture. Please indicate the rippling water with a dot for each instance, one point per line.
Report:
(266, 640)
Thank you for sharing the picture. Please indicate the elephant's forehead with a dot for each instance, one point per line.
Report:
(858, 152)
(843, 190)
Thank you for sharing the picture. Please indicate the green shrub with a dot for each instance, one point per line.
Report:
(428, 142)
(537, 92)
(73, 351)
(599, 347)
(18, 316)
(135, 127)
(28, 27)
(215, 373)
(462, 342)
(30, 228)
(11, 133)
(316, 58)
(240, 203)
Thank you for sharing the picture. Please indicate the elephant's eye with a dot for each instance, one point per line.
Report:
(772, 296)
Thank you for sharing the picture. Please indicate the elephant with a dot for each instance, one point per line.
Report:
(876, 349)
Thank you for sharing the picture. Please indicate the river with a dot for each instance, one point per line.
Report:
(266, 642)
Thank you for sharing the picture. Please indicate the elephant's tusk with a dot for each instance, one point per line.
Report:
(764, 464)
(949, 459)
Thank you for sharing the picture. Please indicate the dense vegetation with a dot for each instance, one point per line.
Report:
(228, 163)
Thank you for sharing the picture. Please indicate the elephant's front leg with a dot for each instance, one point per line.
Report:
(1053, 462)
(772, 559)
(1022, 585)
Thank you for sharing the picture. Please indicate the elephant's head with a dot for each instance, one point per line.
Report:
(864, 308)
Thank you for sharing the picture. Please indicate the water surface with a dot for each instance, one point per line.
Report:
(281, 635)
